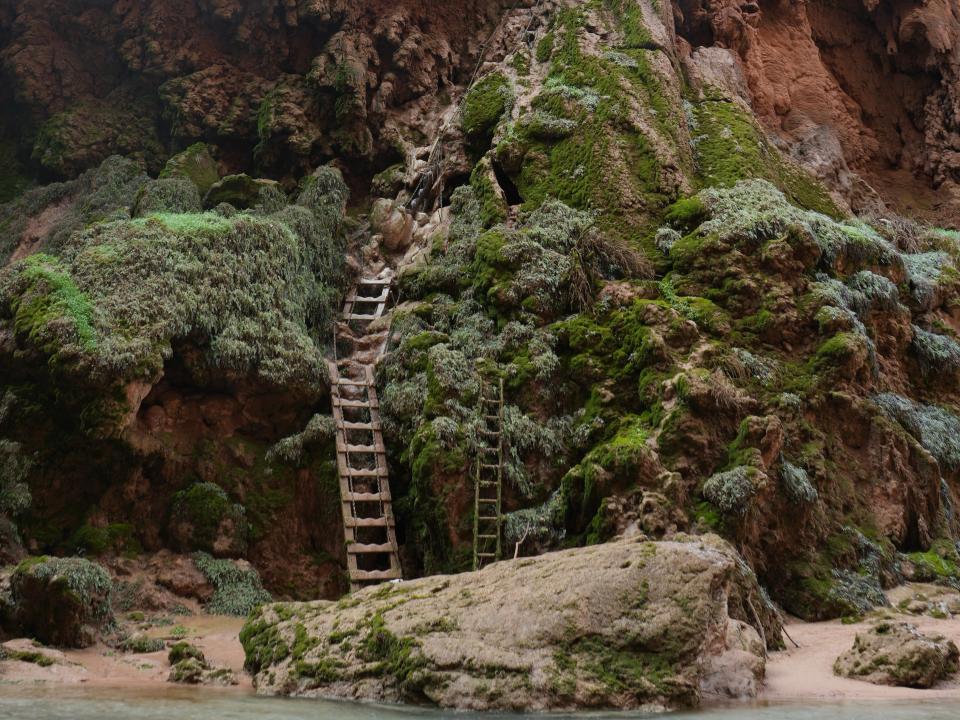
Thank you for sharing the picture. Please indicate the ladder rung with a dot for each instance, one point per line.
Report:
(487, 555)
(488, 517)
(361, 548)
(492, 417)
(489, 482)
(355, 316)
(489, 432)
(366, 472)
(488, 537)
(360, 426)
(367, 497)
(487, 500)
(375, 281)
(367, 522)
(351, 383)
(365, 449)
(381, 298)
(343, 402)
(375, 575)
(488, 466)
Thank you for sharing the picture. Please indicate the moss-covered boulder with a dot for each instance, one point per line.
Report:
(893, 653)
(167, 195)
(625, 624)
(188, 666)
(204, 518)
(240, 191)
(195, 164)
(62, 601)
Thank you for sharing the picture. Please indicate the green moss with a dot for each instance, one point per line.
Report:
(262, 644)
(114, 538)
(195, 164)
(203, 507)
(730, 147)
(28, 656)
(396, 658)
(237, 590)
(630, 23)
(484, 105)
(50, 296)
(835, 351)
(252, 290)
(493, 209)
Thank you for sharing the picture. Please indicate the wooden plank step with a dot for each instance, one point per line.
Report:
(368, 522)
(366, 472)
(363, 548)
(381, 298)
(352, 383)
(344, 402)
(360, 575)
(367, 497)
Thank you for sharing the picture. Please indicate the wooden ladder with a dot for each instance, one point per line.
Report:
(488, 485)
(368, 522)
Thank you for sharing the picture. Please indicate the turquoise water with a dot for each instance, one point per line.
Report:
(19, 703)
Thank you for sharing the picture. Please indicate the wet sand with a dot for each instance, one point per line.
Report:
(102, 666)
(806, 673)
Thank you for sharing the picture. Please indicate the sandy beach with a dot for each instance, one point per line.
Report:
(806, 673)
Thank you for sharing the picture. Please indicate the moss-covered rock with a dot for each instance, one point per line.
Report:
(203, 518)
(195, 164)
(240, 191)
(658, 632)
(896, 653)
(62, 601)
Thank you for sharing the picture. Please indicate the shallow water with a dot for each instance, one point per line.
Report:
(24, 703)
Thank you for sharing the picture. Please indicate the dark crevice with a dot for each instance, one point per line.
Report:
(510, 190)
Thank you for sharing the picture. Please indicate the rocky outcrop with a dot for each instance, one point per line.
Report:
(896, 653)
(295, 82)
(62, 601)
(628, 624)
(862, 91)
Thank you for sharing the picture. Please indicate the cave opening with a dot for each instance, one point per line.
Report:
(510, 190)
(692, 19)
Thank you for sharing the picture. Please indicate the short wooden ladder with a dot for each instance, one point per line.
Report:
(488, 477)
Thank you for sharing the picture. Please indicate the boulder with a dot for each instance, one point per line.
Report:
(188, 666)
(627, 624)
(391, 222)
(240, 191)
(62, 601)
(897, 653)
(195, 164)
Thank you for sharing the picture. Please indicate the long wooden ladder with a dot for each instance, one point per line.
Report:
(368, 522)
(488, 478)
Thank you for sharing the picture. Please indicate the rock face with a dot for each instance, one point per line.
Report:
(862, 90)
(628, 624)
(62, 601)
(899, 654)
